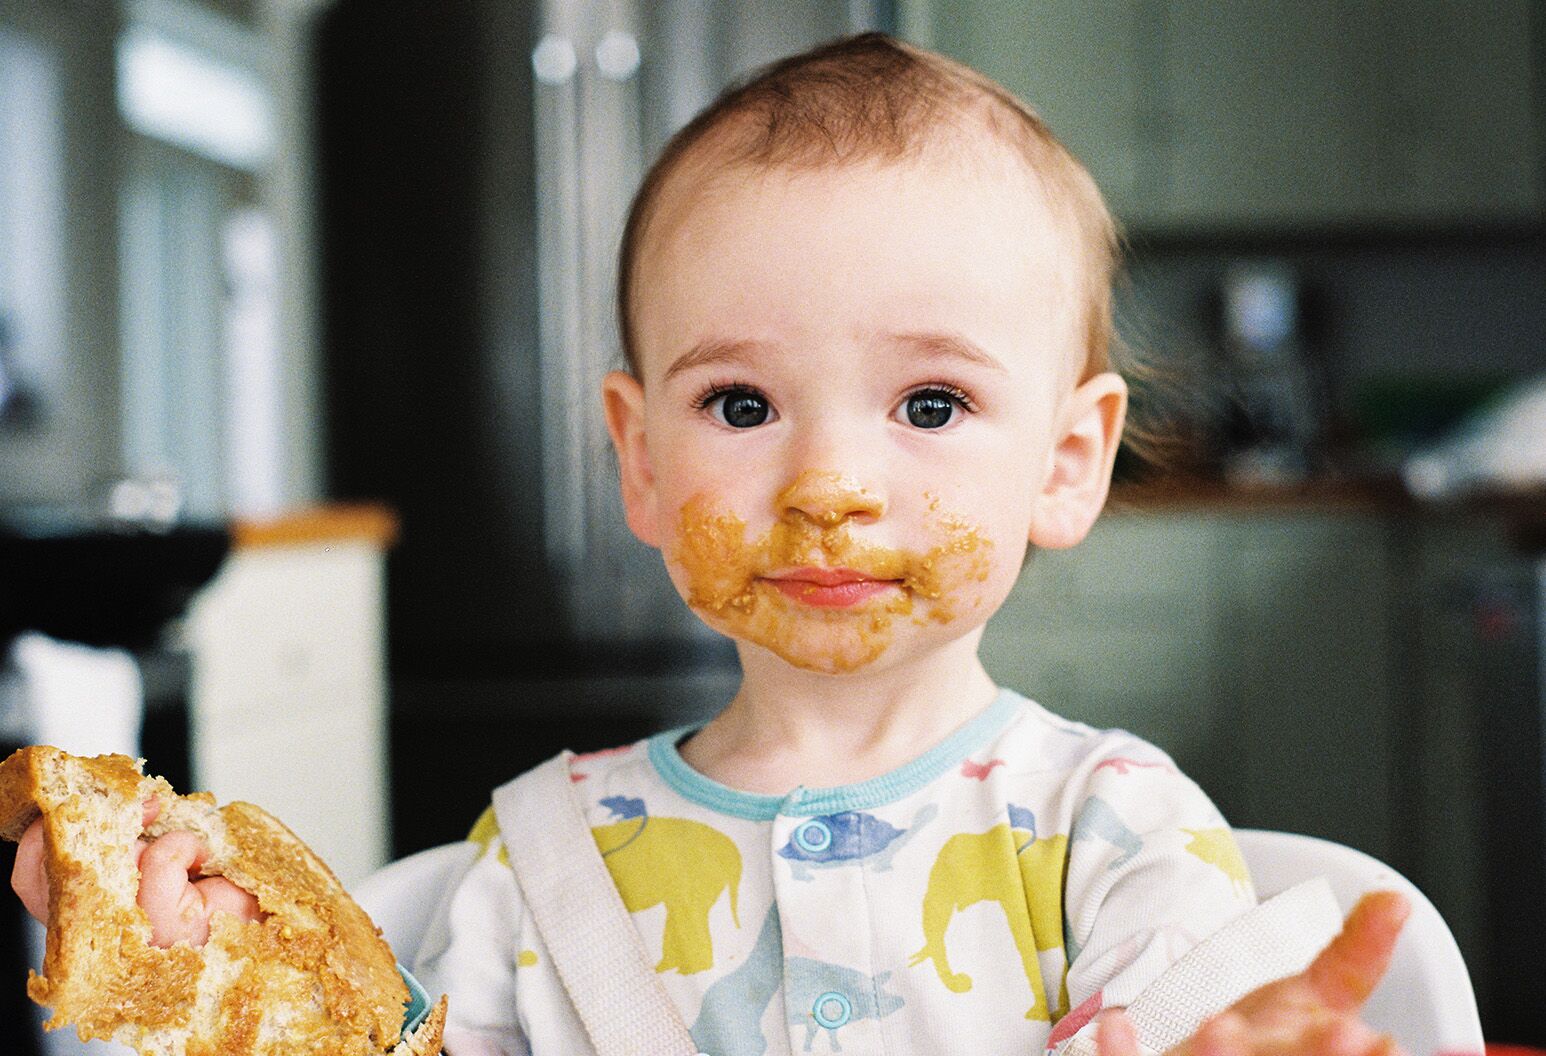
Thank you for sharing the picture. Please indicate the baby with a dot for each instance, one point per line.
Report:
(865, 303)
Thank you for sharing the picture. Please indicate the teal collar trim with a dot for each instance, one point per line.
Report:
(807, 802)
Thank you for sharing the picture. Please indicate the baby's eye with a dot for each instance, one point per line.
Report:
(738, 408)
(932, 408)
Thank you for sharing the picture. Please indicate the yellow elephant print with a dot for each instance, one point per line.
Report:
(1217, 848)
(682, 863)
(483, 832)
(1024, 875)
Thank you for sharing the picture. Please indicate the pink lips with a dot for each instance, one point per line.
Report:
(829, 588)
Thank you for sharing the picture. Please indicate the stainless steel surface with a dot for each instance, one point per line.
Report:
(611, 85)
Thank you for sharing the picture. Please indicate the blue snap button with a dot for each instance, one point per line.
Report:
(813, 836)
(832, 1010)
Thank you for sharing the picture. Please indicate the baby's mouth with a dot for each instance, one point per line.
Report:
(829, 588)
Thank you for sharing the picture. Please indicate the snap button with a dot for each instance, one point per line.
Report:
(813, 836)
(832, 1010)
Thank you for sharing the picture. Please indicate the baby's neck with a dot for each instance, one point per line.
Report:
(788, 727)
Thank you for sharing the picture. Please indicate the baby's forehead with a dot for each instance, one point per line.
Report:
(710, 194)
(708, 173)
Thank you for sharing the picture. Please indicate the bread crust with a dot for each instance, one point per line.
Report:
(313, 977)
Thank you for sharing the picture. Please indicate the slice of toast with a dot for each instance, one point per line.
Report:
(313, 978)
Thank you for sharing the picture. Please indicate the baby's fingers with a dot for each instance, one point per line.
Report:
(28, 878)
(1225, 1034)
(1115, 1035)
(1346, 972)
(1316, 1034)
(222, 896)
(166, 892)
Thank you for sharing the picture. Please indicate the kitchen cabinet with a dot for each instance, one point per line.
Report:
(1262, 116)
(1259, 649)
(1080, 65)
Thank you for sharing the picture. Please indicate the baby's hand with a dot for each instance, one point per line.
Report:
(1314, 1013)
(178, 905)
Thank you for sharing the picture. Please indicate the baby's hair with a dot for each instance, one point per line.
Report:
(871, 97)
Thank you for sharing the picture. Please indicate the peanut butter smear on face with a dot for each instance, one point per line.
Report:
(726, 574)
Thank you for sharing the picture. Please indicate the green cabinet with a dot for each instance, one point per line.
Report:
(1259, 115)
(1257, 649)
(1080, 65)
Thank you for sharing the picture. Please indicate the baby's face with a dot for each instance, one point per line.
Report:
(854, 382)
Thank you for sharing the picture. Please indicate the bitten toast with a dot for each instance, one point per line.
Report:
(313, 978)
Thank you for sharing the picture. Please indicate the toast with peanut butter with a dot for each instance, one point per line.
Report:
(313, 977)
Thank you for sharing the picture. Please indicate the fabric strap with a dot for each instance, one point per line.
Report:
(1278, 938)
(589, 934)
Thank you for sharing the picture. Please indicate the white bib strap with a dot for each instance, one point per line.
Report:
(589, 934)
(1278, 938)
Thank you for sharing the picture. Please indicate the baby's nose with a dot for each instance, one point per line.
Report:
(828, 499)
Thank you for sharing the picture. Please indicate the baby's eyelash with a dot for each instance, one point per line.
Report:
(955, 392)
(715, 389)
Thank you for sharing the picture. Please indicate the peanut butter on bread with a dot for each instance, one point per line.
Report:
(314, 977)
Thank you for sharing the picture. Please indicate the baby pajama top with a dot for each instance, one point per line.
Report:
(988, 897)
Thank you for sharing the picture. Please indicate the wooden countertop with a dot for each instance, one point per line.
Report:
(1524, 512)
(1183, 492)
(360, 522)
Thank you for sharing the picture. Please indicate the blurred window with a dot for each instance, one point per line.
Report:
(191, 78)
(32, 366)
(199, 261)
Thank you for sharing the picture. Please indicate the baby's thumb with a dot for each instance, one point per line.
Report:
(29, 877)
(1351, 966)
(1115, 1034)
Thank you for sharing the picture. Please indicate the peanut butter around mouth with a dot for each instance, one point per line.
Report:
(726, 586)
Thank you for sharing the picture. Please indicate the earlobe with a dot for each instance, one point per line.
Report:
(1078, 474)
(623, 401)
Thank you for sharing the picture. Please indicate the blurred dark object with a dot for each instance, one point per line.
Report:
(20, 408)
(1390, 416)
(1499, 448)
(102, 585)
(1508, 625)
(1274, 424)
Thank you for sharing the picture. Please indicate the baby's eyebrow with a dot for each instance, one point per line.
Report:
(945, 345)
(714, 350)
(926, 345)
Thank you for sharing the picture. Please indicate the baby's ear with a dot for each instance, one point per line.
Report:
(623, 399)
(1078, 474)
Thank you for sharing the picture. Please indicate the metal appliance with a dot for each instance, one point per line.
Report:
(1508, 613)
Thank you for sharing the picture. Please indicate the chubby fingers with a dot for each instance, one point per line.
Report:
(1319, 1034)
(1346, 972)
(180, 907)
(1115, 1035)
(222, 896)
(28, 878)
(166, 891)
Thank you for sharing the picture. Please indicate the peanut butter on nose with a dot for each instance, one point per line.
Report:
(725, 585)
(828, 498)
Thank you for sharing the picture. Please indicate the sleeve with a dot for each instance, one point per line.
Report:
(469, 953)
(1152, 871)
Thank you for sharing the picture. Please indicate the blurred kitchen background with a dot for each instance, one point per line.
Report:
(304, 494)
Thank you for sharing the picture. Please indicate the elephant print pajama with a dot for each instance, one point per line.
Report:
(988, 897)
